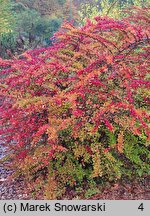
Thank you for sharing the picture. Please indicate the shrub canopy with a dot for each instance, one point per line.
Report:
(79, 109)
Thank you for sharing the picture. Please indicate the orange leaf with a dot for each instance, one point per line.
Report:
(120, 142)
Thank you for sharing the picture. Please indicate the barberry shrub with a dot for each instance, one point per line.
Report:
(77, 113)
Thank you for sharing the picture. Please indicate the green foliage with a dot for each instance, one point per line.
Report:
(47, 27)
(6, 18)
(30, 30)
(7, 44)
(26, 20)
(90, 192)
(35, 28)
(138, 154)
(111, 8)
(61, 2)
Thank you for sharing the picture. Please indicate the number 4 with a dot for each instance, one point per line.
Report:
(141, 207)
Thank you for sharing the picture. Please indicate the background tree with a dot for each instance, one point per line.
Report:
(113, 8)
(5, 16)
(7, 24)
(44, 7)
(32, 27)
